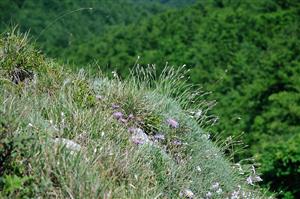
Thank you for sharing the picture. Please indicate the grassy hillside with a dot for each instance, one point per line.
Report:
(246, 53)
(68, 135)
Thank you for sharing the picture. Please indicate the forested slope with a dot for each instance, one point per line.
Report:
(58, 25)
(246, 52)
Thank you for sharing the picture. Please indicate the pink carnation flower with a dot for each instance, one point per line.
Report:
(118, 115)
(172, 123)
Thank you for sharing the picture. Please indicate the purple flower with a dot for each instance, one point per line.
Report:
(137, 141)
(177, 143)
(115, 106)
(159, 137)
(172, 123)
(118, 115)
(131, 129)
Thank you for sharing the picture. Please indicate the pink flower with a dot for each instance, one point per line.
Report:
(177, 143)
(159, 137)
(115, 106)
(118, 115)
(172, 123)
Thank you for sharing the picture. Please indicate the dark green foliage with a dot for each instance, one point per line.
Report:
(15, 179)
(58, 25)
(246, 52)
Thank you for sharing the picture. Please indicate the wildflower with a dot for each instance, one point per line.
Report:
(172, 123)
(187, 193)
(177, 143)
(239, 167)
(206, 136)
(69, 144)
(118, 115)
(253, 178)
(219, 191)
(215, 186)
(198, 113)
(99, 97)
(208, 195)
(235, 195)
(159, 137)
(131, 129)
(198, 168)
(115, 106)
(114, 74)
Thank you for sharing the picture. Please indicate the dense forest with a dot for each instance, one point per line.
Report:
(58, 25)
(245, 52)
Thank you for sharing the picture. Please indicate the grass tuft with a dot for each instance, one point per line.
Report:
(103, 118)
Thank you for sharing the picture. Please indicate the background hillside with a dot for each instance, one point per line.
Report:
(246, 52)
(58, 25)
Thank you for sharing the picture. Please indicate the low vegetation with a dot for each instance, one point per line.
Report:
(79, 135)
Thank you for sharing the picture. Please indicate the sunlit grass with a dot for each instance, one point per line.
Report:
(55, 107)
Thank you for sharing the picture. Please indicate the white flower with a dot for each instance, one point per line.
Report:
(209, 195)
(235, 195)
(186, 193)
(198, 113)
(253, 178)
(215, 186)
(219, 191)
(249, 180)
(69, 144)
(198, 169)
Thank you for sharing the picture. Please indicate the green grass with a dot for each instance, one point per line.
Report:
(55, 103)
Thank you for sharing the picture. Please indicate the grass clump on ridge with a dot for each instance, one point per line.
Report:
(67, 135)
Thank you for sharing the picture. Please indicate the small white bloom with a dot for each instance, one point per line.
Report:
(198, 169)
(257, 179)
(198, 113)
(209, 195)
(186, 193)
(69, 144)
(215, 186)
(249, 180)
(235, 195)
(219, 191)
(252, 179)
